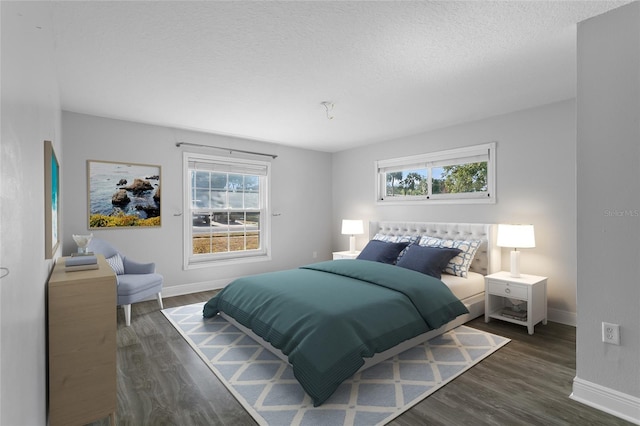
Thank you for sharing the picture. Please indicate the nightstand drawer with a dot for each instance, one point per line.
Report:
(508, 290)
(345, 255)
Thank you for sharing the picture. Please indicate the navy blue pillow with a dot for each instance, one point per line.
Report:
(428, 260)
(381, 251)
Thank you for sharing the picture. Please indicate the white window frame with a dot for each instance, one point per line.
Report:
(191, 261)
(484, 152)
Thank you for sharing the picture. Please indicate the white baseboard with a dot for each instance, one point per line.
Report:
(179, 290)
(610, 401)
(562, 317)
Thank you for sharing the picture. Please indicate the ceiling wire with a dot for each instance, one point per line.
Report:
(328, 106)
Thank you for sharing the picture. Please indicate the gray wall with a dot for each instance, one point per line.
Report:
(300, 189)
(535, 184)
(30, 115)
(608, 161)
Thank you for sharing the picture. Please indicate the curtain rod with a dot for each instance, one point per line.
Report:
(230, 150)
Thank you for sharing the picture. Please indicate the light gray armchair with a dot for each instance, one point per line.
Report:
(136, 281)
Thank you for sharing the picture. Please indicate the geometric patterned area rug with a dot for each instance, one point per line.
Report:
(267, 389)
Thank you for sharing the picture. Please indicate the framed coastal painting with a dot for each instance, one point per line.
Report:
(51, 201)
(123, 195)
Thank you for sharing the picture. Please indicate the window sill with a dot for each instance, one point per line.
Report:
(406, 202)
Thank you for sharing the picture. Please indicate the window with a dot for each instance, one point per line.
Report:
(462, 175)
(226, 201)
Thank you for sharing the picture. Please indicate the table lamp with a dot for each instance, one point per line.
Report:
(516, 236)
(352, 228)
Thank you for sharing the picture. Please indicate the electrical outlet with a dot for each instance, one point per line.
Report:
(611, 333)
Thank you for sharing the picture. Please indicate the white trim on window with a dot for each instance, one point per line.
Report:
(259, 173)
(427, 162)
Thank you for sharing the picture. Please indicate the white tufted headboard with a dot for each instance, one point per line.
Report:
(488, 257)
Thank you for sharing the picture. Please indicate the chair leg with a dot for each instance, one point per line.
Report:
(127, 314)
(159, 297)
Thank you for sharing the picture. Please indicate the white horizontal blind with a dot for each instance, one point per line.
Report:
(452, 157)
(224, 166)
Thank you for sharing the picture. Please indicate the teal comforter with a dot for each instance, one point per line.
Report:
(328, 316)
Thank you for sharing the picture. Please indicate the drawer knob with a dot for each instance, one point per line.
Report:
(507, 290)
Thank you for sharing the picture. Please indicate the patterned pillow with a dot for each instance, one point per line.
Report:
(460, 264)
(411, 239)
(116, 264)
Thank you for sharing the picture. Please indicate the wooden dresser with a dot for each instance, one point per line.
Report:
(82, 344)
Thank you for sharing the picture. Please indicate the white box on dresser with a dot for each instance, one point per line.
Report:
(531, 289)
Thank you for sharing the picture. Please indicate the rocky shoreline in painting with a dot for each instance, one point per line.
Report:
(140, 188)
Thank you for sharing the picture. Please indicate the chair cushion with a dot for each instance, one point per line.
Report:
(135, 287)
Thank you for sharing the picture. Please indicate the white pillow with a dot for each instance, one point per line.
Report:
(116, 264)
(460, 264)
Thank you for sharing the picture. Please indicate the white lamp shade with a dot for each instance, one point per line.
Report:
(352, 227)
(516, 236)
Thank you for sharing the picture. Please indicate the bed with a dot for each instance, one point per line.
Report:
(332, 319)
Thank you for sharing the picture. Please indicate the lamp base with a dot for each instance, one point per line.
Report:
(352, 244)
(515, 264)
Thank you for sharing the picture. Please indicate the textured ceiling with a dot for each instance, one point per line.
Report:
(260, 70)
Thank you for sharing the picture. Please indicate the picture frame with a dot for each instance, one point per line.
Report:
(123, 195)
(51, 201)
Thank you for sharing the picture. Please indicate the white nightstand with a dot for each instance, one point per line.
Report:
(345, 255)
(531, 289)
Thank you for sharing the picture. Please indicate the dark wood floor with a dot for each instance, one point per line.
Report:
(161, 380)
